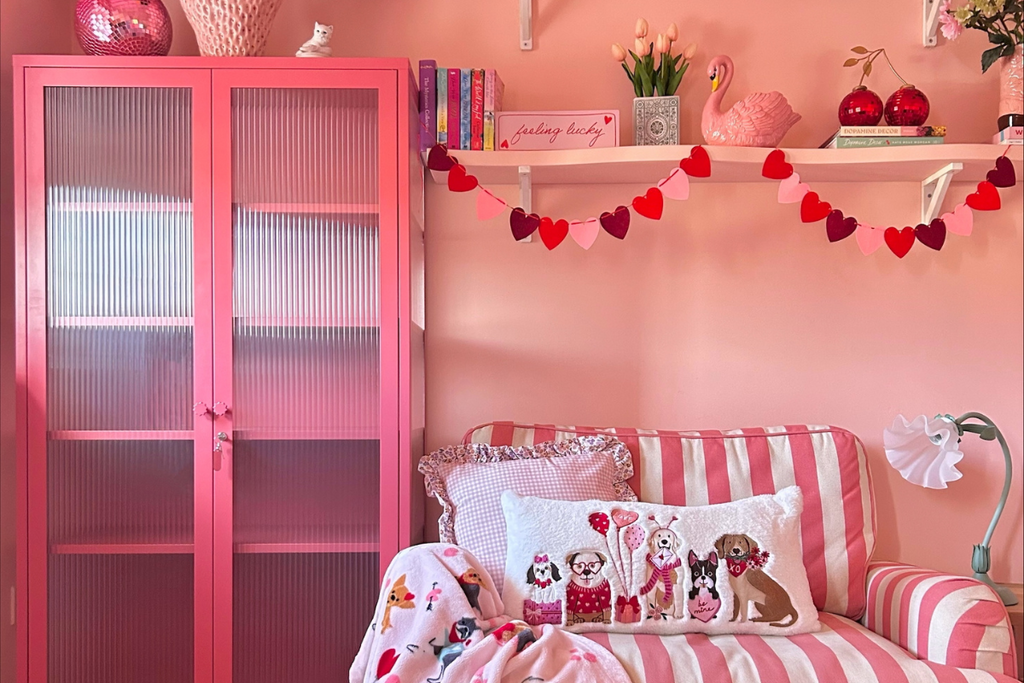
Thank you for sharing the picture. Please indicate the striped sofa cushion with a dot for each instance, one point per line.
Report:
(708, 467)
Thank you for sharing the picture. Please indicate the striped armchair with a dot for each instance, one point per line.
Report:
(881, 621)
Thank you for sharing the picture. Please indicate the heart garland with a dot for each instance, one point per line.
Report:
(959, 221)
(553, 232)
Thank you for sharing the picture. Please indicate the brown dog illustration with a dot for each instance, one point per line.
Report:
(400, 597)
(750, 584)
(588, 597)
(662, 562)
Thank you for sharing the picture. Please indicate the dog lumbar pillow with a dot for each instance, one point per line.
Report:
(639, 567)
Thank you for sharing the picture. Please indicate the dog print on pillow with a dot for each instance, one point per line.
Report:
(751, 585)
(588, 595)
(662, 562)
(544, 605)
(703, 599)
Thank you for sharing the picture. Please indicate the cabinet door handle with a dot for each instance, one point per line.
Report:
(220, 408)
(200, 409)
(218, 450)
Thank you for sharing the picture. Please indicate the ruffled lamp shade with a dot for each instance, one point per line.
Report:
(924, 451)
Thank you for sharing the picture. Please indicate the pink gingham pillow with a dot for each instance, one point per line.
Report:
(468, 481)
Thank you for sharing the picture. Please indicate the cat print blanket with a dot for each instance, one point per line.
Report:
(440, 620)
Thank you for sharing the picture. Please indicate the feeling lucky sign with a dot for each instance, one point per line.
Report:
(528, 130)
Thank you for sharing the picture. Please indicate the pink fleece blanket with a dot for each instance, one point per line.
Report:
(440, 620)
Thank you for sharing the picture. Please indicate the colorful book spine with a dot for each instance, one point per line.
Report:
(477, 111)
(494, 92)
(454, 93)
(1014, 135)
(848, 143)
(465, 108)
(891, 131)
(428, 104)
(442, 106)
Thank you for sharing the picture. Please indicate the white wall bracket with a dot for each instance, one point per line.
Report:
(525, 24)
(933, 190)
(526, 194)
(930, 14)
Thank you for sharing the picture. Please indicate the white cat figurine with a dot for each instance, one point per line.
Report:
(317, 45)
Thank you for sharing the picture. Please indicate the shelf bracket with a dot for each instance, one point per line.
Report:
(526, 194)
(933, 190)
(525, 24)
(930, 13)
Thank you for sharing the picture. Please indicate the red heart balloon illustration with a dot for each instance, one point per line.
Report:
(932, 235)
(899, 241)
(553, 232)
(650, 205)
(459, 180)
(438, 159)
(616, 223)
(1003, 174)
(598, 522)
(504, 144)
(839, 228)
(813, 209)
(523, 224)
(698, 164)
(775, 166)
(985, 199)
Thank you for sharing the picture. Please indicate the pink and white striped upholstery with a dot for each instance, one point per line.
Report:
(939, 617)
(842, 652)
(707, 467)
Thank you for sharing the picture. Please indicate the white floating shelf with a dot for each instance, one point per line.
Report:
(647, 165)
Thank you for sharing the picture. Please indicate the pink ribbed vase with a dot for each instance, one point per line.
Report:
(1011, 84)
(123, 27)
(231, 28)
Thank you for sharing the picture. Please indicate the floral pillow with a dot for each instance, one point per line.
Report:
(643, 568)
(468, 481)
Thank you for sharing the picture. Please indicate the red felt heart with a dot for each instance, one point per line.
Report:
(812, 209)
(650, 205)
(504, 144)
(986, 198)
(459, 180)
(616, 223)
(438, 159)
(839, 228)
(1003, 174)
(698, 164)
(899, 241)
(386, 662)
(553, 232)
(523, 224)
(607, 120)
(775, 166)
(932, 235)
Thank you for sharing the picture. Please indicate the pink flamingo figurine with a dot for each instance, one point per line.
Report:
(760, 120)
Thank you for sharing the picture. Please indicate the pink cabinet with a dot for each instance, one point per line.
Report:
(220, 363)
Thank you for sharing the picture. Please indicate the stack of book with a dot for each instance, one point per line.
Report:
(1014, 135)
(457, 106)
(885, 136)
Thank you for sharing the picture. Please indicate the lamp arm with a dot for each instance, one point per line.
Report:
(1006, 456)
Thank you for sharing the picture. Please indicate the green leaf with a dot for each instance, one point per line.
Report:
(990, 56)
(645, 79)
(851, 62)
(673, 84)
(859, 50)
(997, 38)
(628, 72)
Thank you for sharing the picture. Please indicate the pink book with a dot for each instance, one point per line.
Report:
(454, 115)
(476, 111)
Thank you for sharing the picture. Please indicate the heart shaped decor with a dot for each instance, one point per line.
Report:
(985, 199)
(623, 517)
(523, 224)
(869, 239)
(650, 205)
(598, 522)
(839, 228)
(698, 164)
(584, 233)
(553, 232)
(1003, 174)
(459, 180)
(488, 206)
(960, 221)
(616, 223)
(775, 166)
(932, 235)
(791, 190)
(676, 185)
(812, 209)
(899, 241)
(438, 159)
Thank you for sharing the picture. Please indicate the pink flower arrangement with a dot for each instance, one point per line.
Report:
(1002, 20)
(951, 28)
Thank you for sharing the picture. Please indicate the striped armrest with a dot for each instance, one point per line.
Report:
(940, 618)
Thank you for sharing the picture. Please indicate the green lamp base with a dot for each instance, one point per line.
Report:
(1004, 593)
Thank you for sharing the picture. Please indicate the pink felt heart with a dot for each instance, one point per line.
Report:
(584, 233)
(616, 223)
(623, 517)
(791, 190)
(676, 186)
(869, 239)
(488, 206)
(960, 221)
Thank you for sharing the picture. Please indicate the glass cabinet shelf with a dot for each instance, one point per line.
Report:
(342, 547)
(181, 206)
(120, 435)
(122, 549)
(70, 321)
(310, 207)
(357, 321)
(342, 434)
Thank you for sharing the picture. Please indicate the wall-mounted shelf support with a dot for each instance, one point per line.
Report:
(525, 24)
(526, 193)
(930, 14)
(934, 188)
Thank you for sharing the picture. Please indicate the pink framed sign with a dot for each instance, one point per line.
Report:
(534, 130)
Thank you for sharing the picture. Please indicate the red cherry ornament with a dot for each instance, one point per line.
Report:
(908, 106)
(862, 107)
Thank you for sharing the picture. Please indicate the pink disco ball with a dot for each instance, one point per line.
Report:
(123, 27)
